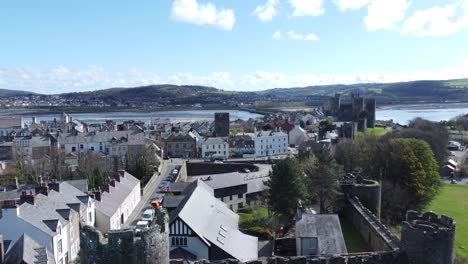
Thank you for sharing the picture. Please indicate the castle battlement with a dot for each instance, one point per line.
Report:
(428, 238)
(429, 221)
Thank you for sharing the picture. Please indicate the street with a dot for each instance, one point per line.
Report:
(166, 167)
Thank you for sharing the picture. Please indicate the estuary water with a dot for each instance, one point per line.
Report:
(402, 114)
(189, 115)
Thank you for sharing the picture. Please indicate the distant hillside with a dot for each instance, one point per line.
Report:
(5, 92)
(401, 92)
(165, 93)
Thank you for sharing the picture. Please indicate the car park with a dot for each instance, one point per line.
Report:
(141, 226)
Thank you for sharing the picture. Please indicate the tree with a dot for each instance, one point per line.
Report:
(436, 135)
(410, 178)
(142, 165)
(322, 174)
(286, 187)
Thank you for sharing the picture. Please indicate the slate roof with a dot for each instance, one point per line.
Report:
(215, 140)
(255, 180)
(110, 201)
(134, 137)
(27, 250)
(215, 223)
(54, 208)
(178, 187)
(81, 185)
(326, 228)
(172, 201)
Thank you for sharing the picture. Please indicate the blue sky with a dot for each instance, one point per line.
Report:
(52, 46)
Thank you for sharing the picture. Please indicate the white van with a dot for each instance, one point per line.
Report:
(141, 226)
(148, 215)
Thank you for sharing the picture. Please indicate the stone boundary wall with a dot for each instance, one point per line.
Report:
(395, 257)
(370, 228)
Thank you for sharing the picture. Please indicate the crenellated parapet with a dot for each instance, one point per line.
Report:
(428, 238)
(122, 247)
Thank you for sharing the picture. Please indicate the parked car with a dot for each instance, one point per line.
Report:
(159, 197)
(141, 226)
(148, 215)
(217, 161)
(164, 189)
(245, 170)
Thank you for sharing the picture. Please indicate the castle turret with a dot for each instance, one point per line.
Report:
(367, 191)
(428, 239)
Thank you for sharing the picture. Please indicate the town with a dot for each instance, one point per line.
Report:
(288, 186)
(234, 132)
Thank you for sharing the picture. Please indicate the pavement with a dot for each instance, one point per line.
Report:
(152, 186)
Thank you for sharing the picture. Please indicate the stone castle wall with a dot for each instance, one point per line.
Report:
(427, 238)
(367, 258)
(376, 234)
(121, 247)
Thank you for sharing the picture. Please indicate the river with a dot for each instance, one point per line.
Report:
(399, 113)
(402, 114)
(119, 117)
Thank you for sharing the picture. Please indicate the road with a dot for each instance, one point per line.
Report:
(166, 167)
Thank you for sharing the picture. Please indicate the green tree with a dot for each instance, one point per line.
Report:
(322, 174)
(436, 135)
(286, 187)
(409, 176)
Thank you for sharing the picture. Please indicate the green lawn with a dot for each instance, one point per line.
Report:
(354, 242)
(256, 215)
(376, 131)
(453, 202)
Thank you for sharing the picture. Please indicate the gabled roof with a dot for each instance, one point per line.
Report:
(215, 223)
(326, 228)
(111, 201)
(27, 250)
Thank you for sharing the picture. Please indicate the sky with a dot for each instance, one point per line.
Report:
(55, 46)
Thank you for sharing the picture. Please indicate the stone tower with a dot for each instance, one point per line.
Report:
(368, 192)
(428, 239)
(370, 109)
(221, 125)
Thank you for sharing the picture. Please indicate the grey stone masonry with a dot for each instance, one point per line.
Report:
(428, 238)
(121, 247)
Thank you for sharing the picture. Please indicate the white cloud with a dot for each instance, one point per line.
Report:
(437, 20)
(307, 7)
(277, 35)
(61, 79)
(295, 36)
(192, 12)
(267, 11)
(385, 14)
(345, 5)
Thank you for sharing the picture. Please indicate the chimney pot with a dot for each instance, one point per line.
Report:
(97, 195)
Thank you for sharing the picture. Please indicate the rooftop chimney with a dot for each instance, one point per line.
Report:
(97, 195)
(54, 186)
(27, 198)
(9, 204)
(117, 176)
(121, 173)
(43, 189)
(105, 187)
